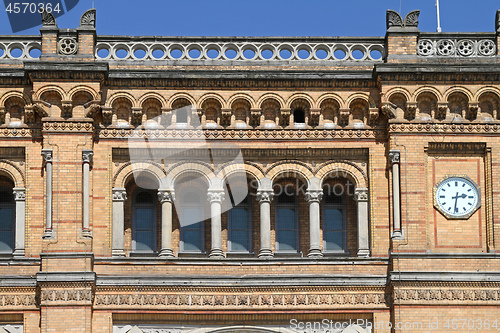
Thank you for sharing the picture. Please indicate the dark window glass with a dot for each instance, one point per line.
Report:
(144, 222)
(240, 227)
(299, 116)
(334, 223)
(7, 221)
(287, 223)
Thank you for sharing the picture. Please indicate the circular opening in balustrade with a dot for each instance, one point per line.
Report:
(102, 51)
(121, 53)
(267, 54)
(212, 53)
(35, 53)
(249, 54)
(230, 53)
(340, 54)
(16, 52)
(376, 54)
(358, 54)
(321, 54)
(285, 54)
(304, 54)
(2, 51)
(139, 53)
(176, 53)
(194, 53)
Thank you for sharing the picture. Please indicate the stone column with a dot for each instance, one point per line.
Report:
(216, 197)
(314, 197)
(166, 197)
(47, 160)
(394, 158)
(87, 160)
(265, 197)
(119, 197)
(361, 196)
(20, 198)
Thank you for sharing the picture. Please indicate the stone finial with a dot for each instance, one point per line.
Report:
(393, 19)
(88, 19)
(48, 19)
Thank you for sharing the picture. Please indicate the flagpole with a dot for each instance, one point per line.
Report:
(439, 21)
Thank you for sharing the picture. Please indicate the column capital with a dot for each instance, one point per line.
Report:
(215, 196)
(119, 194)
(394, 156)
(87, 155)
(19, 193)
(166, 196)
(47, 156)
(265, 195)
(361, 194)
(314, 195)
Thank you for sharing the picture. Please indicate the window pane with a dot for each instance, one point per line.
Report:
(192, 240)
(334, 240)
(144, 240)
(239, 218)
(190, 216)
(287, 240)
(6, 220)
(239, 240)
(144, 218)
(286, 218)
(333, 219)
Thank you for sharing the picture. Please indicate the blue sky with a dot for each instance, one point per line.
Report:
(269, 17)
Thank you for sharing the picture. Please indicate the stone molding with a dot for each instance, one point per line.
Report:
(440, 128)
(65, 296)
(446, 295)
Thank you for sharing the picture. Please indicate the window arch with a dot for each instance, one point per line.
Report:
(143, 221)
(287, 221)
(7, 220)
(192, 228)
(334, 222)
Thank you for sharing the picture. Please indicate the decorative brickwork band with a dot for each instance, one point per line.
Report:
(314, 197)
(264, 197)
(20, 199)
(166, 197)
(216, 197)
(361, 196)
(47, 160)
(118, 246)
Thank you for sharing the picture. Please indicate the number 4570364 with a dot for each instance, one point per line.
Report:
(31, 7)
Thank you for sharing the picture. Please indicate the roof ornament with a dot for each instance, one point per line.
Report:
(395, 20)
(88, 18)
(48, 19)
(497, 21)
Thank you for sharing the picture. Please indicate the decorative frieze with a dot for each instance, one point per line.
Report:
(436, 128)
(474, 47)
(52, 296)
(17, 300)
(446, 295)
(85, 127)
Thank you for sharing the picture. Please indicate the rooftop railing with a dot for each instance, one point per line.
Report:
(457, 44)
(20, 47)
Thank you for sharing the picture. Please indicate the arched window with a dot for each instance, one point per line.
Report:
(192, 224)
(240, 226)
(7, 220)
(287, 222)
(144, 221)
(334, 223)
(299, 116)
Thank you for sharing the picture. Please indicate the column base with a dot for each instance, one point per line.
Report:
(216, 254)
(166, 253)
(117, 253)
(86, 233)
(266, 253)
(19, 253)
(315, 253)
(363, 253)
(398, 234)
(48, 234)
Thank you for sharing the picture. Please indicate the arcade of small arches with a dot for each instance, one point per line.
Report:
(287, 209)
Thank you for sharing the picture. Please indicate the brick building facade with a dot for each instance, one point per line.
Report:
(346, 147)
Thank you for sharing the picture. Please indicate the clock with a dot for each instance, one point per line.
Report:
(457, 197)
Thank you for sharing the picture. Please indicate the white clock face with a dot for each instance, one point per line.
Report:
(457, 197)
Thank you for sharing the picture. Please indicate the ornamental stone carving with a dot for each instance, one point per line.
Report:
(389, 109)
(166, 196)
(87, 156)
(88, 19)
(119, 194)
(19, 194)
(314, 195)
(476, 47)
(67, 46)
(361, 194)
(47, 156)
(394, 156)
(265, 195)
(48, 19)
(393, 19)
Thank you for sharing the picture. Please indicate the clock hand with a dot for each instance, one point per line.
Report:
(456, 199)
